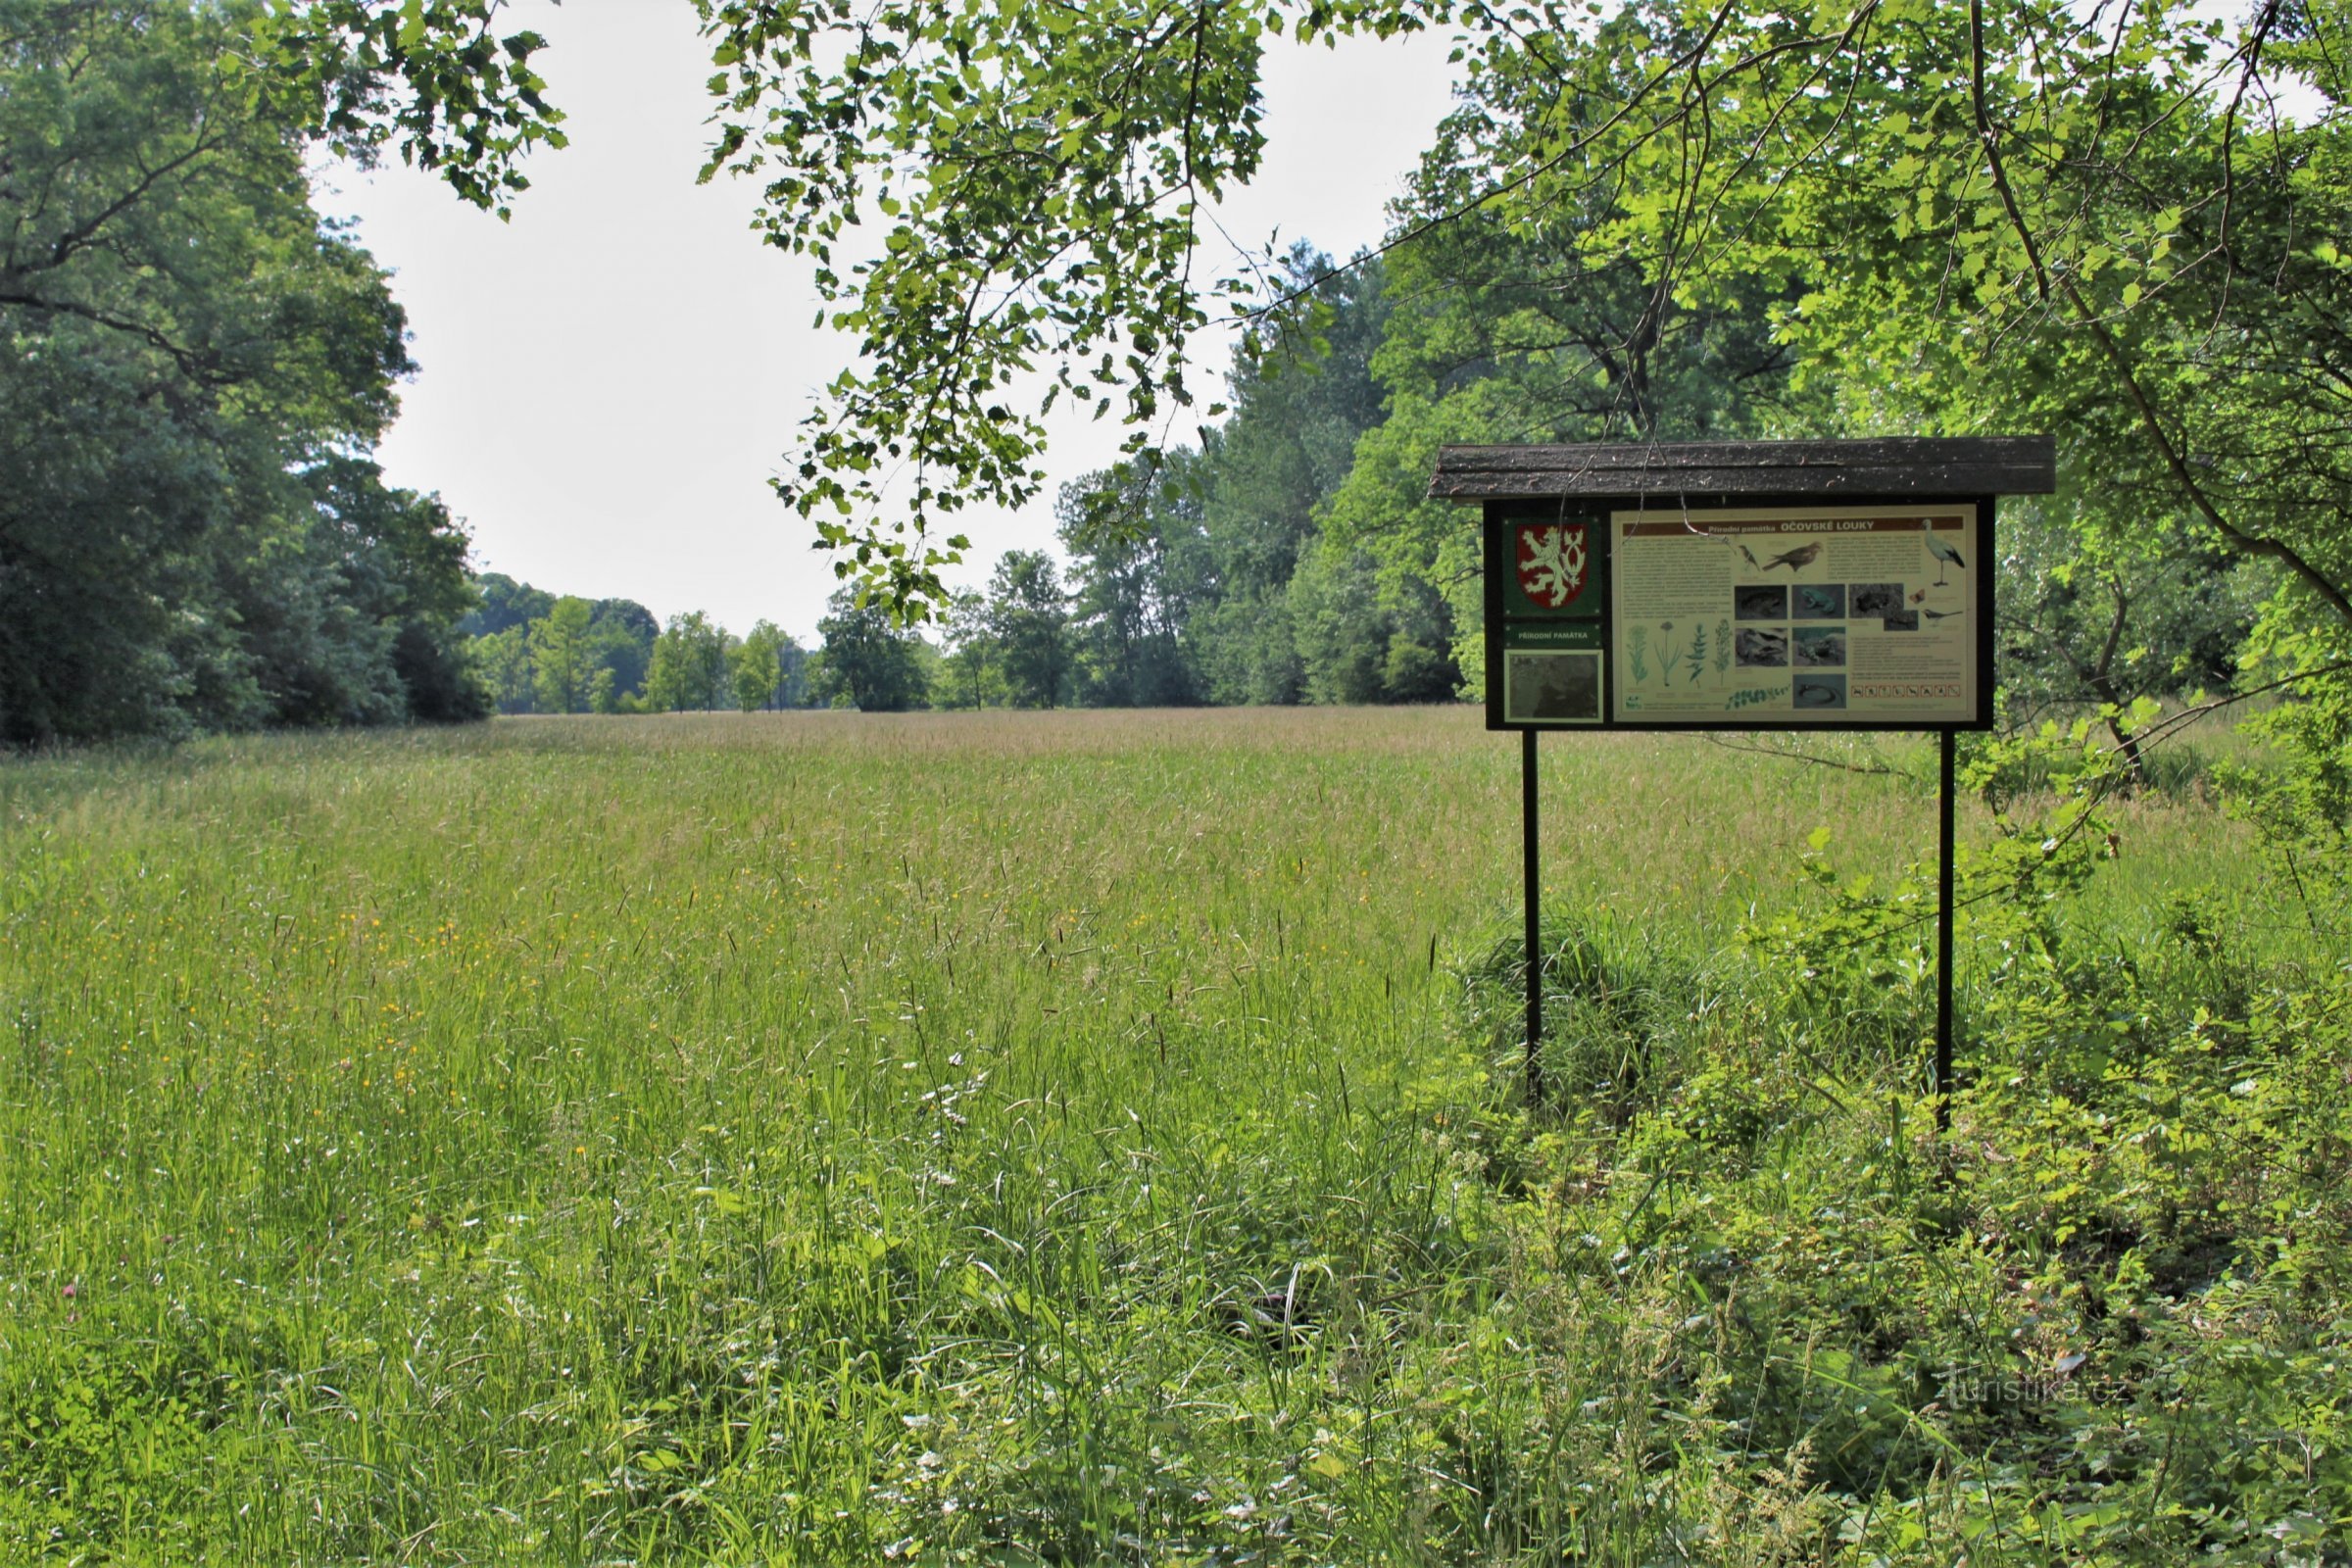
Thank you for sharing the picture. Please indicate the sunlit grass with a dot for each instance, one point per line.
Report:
(793, 1137)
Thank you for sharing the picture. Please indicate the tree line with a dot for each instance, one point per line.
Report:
(538, 652)
(1202, 576)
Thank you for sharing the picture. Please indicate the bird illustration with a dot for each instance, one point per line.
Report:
(1749, 553)
(1941, 614)
(1944, 554)
(1801, 557)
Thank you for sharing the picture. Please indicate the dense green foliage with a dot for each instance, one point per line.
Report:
(429, 76)
(1039, 1138)
(1214, 574)
(192, 371)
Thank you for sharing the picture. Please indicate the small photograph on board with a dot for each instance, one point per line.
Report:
(1901, 620)
(1759, 649)
(1760, 604)
(1816, 645)
(1877, 599)
(1540, 688)
(1821, 600)
(1820, 691)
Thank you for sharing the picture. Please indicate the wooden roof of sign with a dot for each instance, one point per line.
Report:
(1881, 468)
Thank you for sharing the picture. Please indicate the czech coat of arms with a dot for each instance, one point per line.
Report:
(1552, 563)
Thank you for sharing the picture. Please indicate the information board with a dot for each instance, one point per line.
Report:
(1833, 585)
(1748, 618)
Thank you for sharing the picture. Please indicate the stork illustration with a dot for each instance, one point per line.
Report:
(1944, 554)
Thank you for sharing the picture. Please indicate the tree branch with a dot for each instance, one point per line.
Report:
(2048, 283)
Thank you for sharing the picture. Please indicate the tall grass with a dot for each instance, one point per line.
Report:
(820, 1138)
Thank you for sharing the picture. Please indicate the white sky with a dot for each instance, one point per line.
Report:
(608, 380)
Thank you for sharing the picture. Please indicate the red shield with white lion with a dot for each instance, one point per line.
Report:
(1553, 563)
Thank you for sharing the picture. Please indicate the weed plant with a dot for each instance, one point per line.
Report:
(1095, 1138)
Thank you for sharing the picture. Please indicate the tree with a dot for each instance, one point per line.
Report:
(1040, 169)
(1360, 641)
(1028, 616)
(870, 662)
(561, 666)
(502, 601)
(689, 669)
(191, 368)
(402, 563)
(2089, 626)
(1191, 570)
(349, 613)
(430, 74)
(620, 639)
(971, 651)
(768, 668)
(1535, 328)
(503, 660)
(1129, 532)
(1303, 394)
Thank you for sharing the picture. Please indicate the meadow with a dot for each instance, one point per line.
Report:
(1096, 1137)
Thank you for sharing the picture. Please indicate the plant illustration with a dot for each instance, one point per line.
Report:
(1636, 648)
(1722, 647)
(1696, 658)
(1666, 651)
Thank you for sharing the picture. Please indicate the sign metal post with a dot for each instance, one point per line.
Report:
(1532, 872)
(1944, 850)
